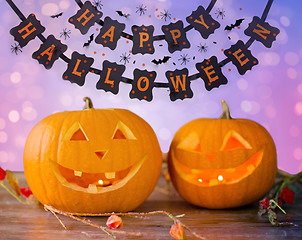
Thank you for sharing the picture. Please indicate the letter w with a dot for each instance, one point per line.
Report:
(180, 82)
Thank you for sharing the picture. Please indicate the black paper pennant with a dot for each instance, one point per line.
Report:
(179, 84)
(262, 32)
(142, 85)
(78, 68)
(110, 77)
(203, 22)
(27, 30)
(175, 36)
(49, 51)
(85, 17)
(211, 74)
(241, 57)
(110, 33)
(143, 39)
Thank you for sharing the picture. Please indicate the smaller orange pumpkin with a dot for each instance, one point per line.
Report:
(222, 163)
(92, 161)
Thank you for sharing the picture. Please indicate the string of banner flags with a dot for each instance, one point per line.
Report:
(143, 81)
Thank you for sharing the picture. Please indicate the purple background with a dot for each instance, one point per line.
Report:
(270, 94)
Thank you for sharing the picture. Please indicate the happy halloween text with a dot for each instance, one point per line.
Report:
(143, 39)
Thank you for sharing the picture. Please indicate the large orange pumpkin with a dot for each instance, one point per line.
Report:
(222, 163)
(92, 161)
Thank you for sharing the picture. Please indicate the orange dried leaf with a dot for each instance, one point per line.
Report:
(13, 182)
(114, 222)
(177, 231)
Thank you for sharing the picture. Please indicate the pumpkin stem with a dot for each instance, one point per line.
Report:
(88, 103)
(225, 111)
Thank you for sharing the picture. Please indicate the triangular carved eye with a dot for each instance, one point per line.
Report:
(76, 133)
(191, 142)
(233, 140)
(123, 132)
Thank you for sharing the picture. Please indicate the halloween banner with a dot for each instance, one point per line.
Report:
(143, 80)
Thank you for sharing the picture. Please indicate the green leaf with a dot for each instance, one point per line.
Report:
(180, 216)
(273, 204)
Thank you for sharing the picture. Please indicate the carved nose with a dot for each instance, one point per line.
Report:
(101, 154)
(211, 157)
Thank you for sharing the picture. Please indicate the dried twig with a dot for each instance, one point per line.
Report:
(73, 215)
(88, 222)
(59, 219)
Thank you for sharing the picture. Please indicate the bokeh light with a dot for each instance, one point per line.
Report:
(14, 116)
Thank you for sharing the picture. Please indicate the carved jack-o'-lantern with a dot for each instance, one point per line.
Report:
(95, 160)
(222, 163)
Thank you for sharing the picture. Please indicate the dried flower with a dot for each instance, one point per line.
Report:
(25, 191)
(114, 222)
(264, 204)
(2, 174)
(13, 181)
(177, 231)
(287, 195)
(272, 216)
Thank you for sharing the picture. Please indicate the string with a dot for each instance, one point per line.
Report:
(156, 38)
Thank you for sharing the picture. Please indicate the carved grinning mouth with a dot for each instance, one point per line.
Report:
(213, 177)
(94, 182)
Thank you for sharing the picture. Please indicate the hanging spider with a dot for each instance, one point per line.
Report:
(220, 13)
(202, 48)
(184, 59)
(15, 48)
(141, 9)
(125, 58)
(97, 4)
(66, 33)
(165, 15)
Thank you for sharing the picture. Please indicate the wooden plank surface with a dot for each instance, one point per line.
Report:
(18, 221)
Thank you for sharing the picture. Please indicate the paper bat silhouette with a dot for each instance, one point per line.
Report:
(237, 24)
(89, 41)
(160, 61)
(120, 13)
(57, 15)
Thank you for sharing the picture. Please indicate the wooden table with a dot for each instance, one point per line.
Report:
(18, 221)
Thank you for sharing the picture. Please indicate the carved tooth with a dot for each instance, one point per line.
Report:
(77, 173)
(213, 182)
(230, 170)
(110, 175)
(92, 188)
(250, 168)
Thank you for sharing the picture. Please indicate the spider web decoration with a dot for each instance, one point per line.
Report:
(97, 4)
(65, 33)
(220, 13)
(165, 15)
(175, 35)
(15, 48)
(125, 58)
(141, 9)
(184, 59)
(202, 48)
